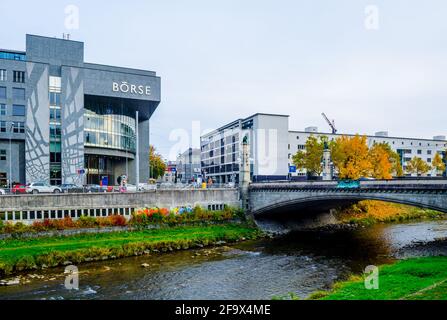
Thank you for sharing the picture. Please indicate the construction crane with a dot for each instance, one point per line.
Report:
(331, 123)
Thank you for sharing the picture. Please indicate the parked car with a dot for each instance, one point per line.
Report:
(2, 191)
(19, 189)
(96, 188)
(42, 187)
(71, 188)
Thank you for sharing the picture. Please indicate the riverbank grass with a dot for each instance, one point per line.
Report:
(412, 279)
(369, 212)
(27, 254)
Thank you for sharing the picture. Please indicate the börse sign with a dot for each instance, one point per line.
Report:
(125, 87)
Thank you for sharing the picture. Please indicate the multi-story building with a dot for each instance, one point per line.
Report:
(268, 134)
(63, 120)
(188, 165)
(272, 146)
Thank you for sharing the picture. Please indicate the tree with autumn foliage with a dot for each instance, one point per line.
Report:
(310, 158)
(418, 166)
(385, 162)
(157, 166)
(350, 156)
(438, 164)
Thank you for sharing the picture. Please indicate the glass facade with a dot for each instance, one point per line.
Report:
(12, 55)
(108, 125)
(55, 132)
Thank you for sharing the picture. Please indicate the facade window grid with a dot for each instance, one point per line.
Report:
(3, 75)
(18, 127)
(3, 109)
(18, 76)
(3, 94)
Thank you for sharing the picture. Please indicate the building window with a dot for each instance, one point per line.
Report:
(55, 131)
(2, 155)
(55, 99)
(18, 127)
(12, 56)
(429, 160)
(55, 114)
(428, 151)
(3, 75)
(301, 147)
(18, 76)
(2, 109)
(419, 151)
(18, 110)
(2, 92)
(18, 94)
(2, 126)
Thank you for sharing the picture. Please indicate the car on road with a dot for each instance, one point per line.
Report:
(2, 191)
(71, 188)
(42, 187)
(18, 189)
(96, 188)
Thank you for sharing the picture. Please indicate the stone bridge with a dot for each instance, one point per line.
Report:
(267, 199)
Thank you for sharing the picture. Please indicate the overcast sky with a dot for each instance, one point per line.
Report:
(220, 60)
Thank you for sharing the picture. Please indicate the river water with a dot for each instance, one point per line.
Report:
(301, 263)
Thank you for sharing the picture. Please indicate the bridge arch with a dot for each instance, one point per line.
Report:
(265, 200)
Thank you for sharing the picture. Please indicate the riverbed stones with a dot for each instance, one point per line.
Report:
(10, 282)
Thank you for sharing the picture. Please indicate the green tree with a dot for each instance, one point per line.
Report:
(438, 164)
(418, 166)
(157, 166)
(310, 158)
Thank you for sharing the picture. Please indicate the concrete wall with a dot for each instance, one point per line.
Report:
(160, 198)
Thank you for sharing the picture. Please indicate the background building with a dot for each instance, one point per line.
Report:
(272, 146)
(268, 135)
(188, 165)
(70, 121)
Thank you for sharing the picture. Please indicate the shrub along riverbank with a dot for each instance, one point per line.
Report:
(412, 279)
(27, 254)
(369, 212)
(141, 218)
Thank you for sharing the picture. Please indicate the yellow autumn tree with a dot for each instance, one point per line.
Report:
(384, 161)
(418, 166)
(438, 164)
(350, 156)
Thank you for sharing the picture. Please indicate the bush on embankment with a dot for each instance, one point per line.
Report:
(26, 254)
(140, 218)
(369, 212)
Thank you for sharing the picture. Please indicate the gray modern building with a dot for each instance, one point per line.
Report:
(63, 120)
(188, 165)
